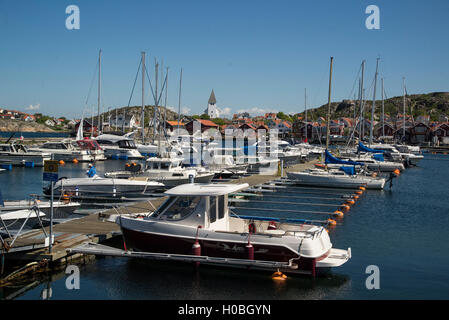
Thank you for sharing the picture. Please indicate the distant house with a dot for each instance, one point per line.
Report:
(441, 130)
(270, 115)
(124, 121)
(284, 127)
(387, 130)
(50, 123)
(87, 127)
(29, 118)
(173, 125)
(203, 125)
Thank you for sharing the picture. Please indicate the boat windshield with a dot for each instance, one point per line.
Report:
(177, 208)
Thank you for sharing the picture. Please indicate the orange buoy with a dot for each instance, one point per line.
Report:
(362, 188)
(397, 172)
(350, 202)
(332, 222)
(355, 197)
(279, 276)
(75, 160)
(345, 207)
(61, 162)
(359, 192)
(339, 214)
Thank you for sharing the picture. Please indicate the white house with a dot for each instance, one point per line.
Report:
(124, 121)
(50, 123)
(212, 111)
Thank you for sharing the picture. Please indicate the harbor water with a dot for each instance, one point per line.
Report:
(402, 231)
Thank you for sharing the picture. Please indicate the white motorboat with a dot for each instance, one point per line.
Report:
(13, 221)
(19, 155)
(61, 208)
(164, 170)
(335, 179)
(224, 166)
(120, 147)
(92, 147)
(195, 220)
(64, 150)
(259, 165)
(104, 187)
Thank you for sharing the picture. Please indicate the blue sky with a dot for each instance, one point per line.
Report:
(256, 55)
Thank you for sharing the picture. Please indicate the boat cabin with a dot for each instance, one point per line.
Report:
(13, 148)
(165, 164)
(88, 144)
(197, 204)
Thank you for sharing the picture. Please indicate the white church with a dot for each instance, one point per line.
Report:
(212, 111)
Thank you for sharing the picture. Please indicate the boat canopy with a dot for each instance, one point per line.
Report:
(205, 189)
(348, 170)
(333, 160)
(379, 157)
(363, 148)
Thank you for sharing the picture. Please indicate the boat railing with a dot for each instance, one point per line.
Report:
(34, 209)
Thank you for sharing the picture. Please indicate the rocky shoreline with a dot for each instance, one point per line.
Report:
(23, 126)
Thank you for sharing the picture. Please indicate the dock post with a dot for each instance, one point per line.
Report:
(51, 218)
(282, 168)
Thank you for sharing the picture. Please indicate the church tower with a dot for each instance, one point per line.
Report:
(212, 110)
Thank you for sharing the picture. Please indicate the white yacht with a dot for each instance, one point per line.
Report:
(118, 147)
(164, 170)
(103, 187)
(19, 155)
(334, 179)
(64, 150)
(259, 164)
(195, 221)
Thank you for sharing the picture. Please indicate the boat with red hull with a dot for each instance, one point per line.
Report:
(197, 216)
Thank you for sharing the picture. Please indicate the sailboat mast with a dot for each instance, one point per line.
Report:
(361, 102)
(166, 96)
(403, 106)
(179, 100)
(329, 105)
(142, 118)
(155, 106)
(371, 132)
(305, 107)
(383, 109)
(99, 90)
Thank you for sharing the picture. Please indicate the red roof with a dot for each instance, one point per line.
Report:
(175, 123)
(207, 123)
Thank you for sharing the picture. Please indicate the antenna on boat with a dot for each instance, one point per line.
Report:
(305, 108)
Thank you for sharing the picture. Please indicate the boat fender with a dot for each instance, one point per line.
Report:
(272, 225)
(252, 228)
(278, 276)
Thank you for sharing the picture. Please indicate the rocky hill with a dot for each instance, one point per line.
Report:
(435, 104)
(23, 126)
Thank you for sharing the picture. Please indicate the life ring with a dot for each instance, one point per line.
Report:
(252, 228)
